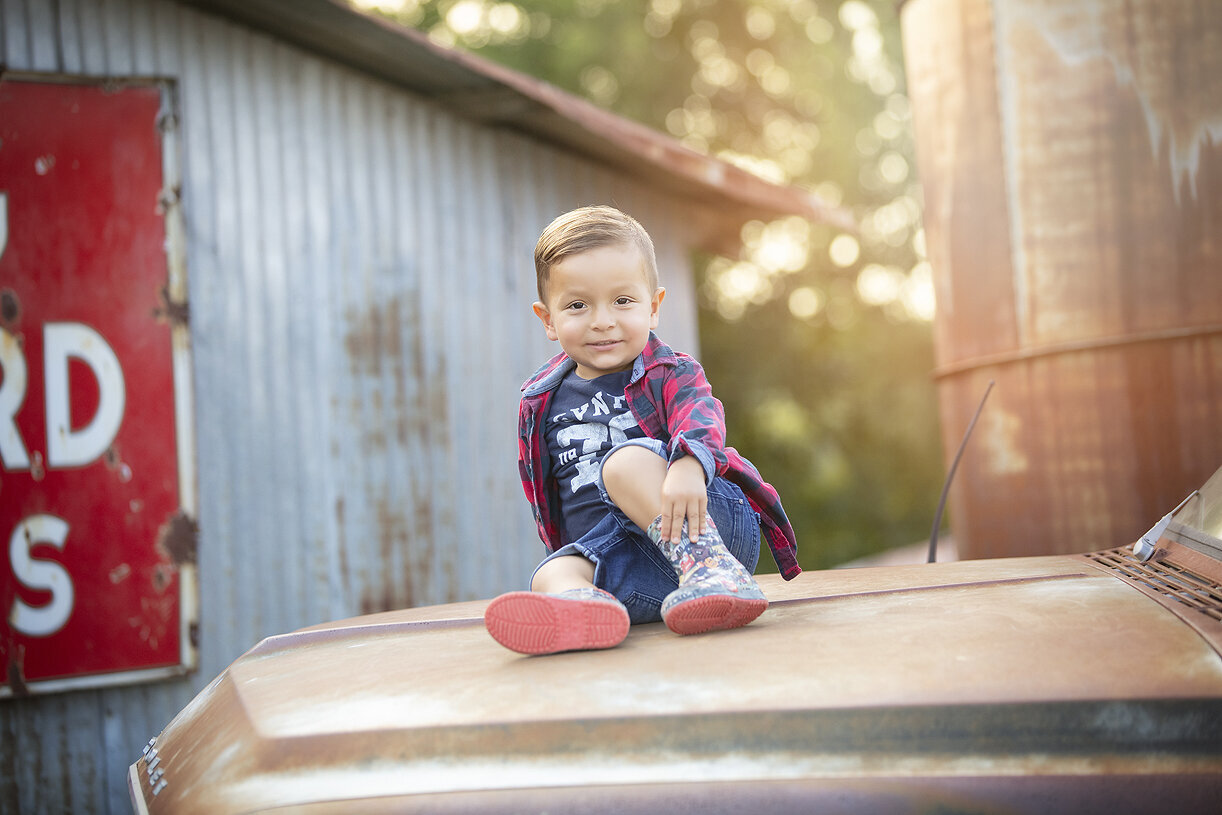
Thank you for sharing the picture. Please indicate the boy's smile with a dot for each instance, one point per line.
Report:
(600, 309)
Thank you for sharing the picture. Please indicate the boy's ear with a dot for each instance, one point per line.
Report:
(545, 317)
(654, 306)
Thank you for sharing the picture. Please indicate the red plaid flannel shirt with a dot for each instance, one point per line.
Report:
(672, 401)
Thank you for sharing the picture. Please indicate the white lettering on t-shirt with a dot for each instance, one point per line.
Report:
(591, 437)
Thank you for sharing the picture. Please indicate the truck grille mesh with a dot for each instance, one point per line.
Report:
(1166, 579)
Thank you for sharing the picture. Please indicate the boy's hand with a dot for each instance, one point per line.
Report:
(684, 495)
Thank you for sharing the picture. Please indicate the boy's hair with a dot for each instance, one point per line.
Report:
(591, 228)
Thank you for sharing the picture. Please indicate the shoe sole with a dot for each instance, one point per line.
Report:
(532, 623)
(713, 612)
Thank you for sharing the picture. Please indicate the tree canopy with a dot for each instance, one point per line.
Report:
(829, 393)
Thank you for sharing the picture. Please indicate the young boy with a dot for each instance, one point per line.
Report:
(645, 511)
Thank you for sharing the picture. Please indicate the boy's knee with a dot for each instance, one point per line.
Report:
(629, 462)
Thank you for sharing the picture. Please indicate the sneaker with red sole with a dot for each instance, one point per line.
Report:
(575, 620)
(710, 612)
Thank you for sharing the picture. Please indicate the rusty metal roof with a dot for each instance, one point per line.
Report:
(926, 683)
(500, 97)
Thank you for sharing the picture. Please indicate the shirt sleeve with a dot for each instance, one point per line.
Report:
(695, 419)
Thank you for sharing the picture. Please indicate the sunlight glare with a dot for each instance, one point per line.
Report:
(734, 284)
(830, 193)
(805, 302)
(893, 167)
(506, 19)
(918, 295)
(783, 247)
(856, 15)
(760, 23)
(887, 125)
(820, 31)
(868, 44)
(465, 16)
(878, 285)
(844, 250)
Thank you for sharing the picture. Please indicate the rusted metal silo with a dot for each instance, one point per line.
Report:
(1071, 157)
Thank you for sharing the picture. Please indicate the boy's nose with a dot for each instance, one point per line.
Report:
(604, 318)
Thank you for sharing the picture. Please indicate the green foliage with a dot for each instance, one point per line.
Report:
(843, 420)
(819, 343)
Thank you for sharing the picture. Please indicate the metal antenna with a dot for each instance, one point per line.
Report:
(937, 518)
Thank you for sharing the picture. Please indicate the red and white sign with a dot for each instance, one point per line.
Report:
(97, 537)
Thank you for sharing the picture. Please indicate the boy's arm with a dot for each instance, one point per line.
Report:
(695, 418)
(695, 421)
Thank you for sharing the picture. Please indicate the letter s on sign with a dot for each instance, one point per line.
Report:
(46, 575)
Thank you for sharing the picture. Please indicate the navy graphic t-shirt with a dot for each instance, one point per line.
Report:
(587, 418)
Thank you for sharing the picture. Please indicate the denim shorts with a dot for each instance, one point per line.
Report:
(630, 566)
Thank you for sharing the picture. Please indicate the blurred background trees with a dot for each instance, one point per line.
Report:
(818, 341)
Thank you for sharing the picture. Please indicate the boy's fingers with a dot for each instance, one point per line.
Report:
(698, 526)
(691, 513)
(676, 524)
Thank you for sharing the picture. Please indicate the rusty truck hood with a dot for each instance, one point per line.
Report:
(1052, 666)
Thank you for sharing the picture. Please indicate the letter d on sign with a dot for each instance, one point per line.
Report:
(46, 575)
(74, 448)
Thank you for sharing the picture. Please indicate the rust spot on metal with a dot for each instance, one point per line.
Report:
(10, 307)
(343, 539)
(167, 122)
(168, 199)
(171, 311)
(16, 674)
(163, 577)
(401, 554)
(12, 342)
(385, 343)
(114, 462)
(178, 538)
(374, 336)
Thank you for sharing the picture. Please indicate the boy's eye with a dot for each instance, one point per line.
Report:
(575, 305)
(623, 301)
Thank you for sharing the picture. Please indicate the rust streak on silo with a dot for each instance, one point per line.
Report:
(1071, 160)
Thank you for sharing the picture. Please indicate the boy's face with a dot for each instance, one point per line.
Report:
(600, 309)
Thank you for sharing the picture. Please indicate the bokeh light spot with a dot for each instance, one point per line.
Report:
(844, 250)
(805, 302)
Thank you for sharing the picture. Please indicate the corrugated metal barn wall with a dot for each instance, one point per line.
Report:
(360, 281)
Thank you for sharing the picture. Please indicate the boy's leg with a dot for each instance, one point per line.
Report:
(633, 476)
(563, 611)
(715, 590)
(563, 573)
